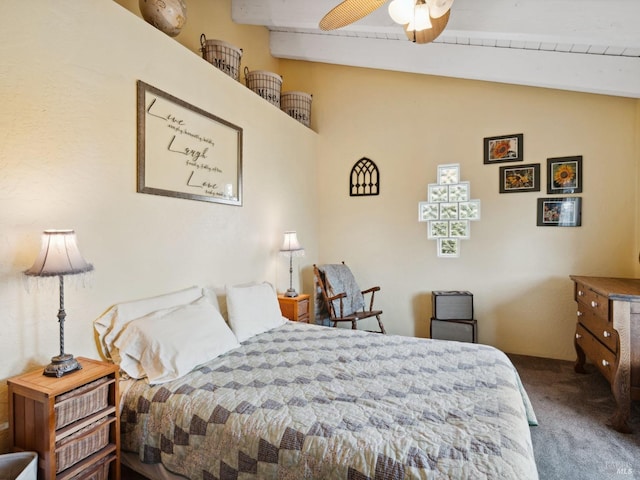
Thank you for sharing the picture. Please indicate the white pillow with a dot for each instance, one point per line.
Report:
(253, 309)
(115, 319)
(167, 344)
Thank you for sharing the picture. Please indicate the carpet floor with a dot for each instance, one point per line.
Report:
(573, 440)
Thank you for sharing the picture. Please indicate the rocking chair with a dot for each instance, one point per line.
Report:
(341, 298)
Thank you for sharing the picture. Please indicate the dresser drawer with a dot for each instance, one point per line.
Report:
(601, 356)
(600, 327)
(593, 301)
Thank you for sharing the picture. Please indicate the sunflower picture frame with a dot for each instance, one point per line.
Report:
(521, 178)
(505, 148)
(564, 175)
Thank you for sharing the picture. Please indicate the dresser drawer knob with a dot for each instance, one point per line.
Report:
(579, 313)
(594, 304)
(580, 293)
(606, 334)
(605, 363)
(578, 336)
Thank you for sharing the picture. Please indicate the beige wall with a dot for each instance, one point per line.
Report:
(518, 272)
(68, 160)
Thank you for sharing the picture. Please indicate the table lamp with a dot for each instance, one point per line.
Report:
(59, 256)
(291, 247)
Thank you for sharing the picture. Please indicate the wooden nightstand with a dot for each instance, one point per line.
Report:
(72, 422)
(295, 309)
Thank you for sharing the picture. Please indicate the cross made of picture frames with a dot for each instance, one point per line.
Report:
(449, 210)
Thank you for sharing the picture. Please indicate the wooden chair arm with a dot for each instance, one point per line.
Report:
(339, 296)
(372, 291)
(336, 297)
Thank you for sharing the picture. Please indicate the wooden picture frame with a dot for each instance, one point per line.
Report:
(186, 152)
(559, 212)
(505, 148)
(564, 175)
(521, 178)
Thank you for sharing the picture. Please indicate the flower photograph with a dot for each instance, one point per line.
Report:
(564, 175)
(523, 178)
(559, 212)
(505, 148)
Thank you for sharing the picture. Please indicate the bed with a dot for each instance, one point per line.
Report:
(294, 401)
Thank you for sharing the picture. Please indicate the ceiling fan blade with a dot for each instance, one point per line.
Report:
(348, 12)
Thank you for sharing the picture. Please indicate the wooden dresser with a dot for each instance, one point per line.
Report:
(608, 334)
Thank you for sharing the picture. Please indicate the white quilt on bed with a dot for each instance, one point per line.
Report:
(303, 401)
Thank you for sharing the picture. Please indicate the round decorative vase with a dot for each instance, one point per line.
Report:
(168, 16)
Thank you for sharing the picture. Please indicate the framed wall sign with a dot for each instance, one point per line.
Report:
(186, 152)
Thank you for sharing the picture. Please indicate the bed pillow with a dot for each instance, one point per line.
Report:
(167, 344)
(112, 322)
(253, 309)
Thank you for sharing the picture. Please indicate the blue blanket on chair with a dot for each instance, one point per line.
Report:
(339, 279)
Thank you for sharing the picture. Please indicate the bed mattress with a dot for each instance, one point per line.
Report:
(303, 401)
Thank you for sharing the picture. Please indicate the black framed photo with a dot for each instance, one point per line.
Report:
(564, 175)
(505, 148)
(523, 178)
(560, 212)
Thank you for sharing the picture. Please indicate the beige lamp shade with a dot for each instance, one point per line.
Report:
(59, 255)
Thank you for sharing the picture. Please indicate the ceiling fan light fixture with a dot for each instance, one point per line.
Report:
(437, 8)
(420, 20)
(401, 11)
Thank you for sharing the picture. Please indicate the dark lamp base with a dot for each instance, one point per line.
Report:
(61, 365)
(290, 293)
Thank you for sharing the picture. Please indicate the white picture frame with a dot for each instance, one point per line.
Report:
(438, 229)
(469, 210)
(449, 174)
(448, 247)
(428, 211)
(437, 193)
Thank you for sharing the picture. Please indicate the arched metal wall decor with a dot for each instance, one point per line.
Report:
(365, 178)
(449, 210)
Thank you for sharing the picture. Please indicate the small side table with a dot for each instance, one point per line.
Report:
(295, 309)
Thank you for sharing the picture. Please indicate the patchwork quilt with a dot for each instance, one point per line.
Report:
(309, 402)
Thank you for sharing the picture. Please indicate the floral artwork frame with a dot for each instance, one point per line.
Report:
(459, 192)
(428, 211)
(520, 178)
(437, 193)
(448, 174)
(559, 212)
(448, 247)
(459, 229)
(564, 175)
(504, 148)
(438, 229)
(469, 210)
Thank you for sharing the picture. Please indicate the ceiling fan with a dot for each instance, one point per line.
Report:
(423, 20)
